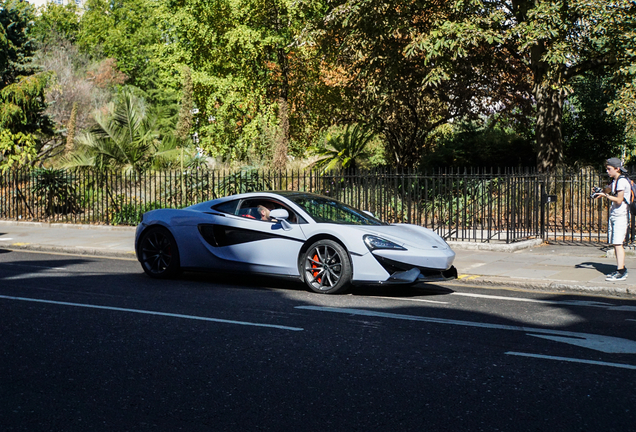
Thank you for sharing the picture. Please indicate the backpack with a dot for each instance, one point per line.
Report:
(632, 203)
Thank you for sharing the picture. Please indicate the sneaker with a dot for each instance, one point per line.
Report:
(616, 276)
(611, 276)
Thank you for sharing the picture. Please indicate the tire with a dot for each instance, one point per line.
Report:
(326, 267)
(158, 253)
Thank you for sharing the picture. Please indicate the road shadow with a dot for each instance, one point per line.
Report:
(292, 284)
(400, 291)
(600, 267)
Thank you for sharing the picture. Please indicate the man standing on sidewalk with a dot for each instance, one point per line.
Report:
(620, 198)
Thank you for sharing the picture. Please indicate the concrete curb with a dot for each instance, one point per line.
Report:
(496, 247)
(575, 287)
(62, 225)
(77, 250)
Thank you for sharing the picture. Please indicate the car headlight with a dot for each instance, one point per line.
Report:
(374, 242)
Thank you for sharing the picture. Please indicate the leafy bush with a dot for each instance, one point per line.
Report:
(129, 213)
(57, 188)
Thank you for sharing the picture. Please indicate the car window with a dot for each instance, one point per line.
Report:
(327, 210)
(227, 207)
(259, 209)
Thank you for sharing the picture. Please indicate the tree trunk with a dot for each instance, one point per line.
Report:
(548, 129)
(70, 134)
(282, 137)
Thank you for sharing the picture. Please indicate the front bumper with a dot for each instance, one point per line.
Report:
(416, 275)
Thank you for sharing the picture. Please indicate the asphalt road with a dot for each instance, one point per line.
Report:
(94, 344)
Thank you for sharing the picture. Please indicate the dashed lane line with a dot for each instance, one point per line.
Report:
(572, 360)
(586, 303)
(146, 312)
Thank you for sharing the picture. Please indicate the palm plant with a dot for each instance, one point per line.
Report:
(57, 188)
(344, 150)
(248, 179)
(173, 153)
(123, 137)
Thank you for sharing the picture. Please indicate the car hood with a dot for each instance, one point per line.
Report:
(408, 236)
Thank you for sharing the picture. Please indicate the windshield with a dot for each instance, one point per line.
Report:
(326, 210)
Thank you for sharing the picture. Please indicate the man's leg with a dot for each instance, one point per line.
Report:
(620, 256)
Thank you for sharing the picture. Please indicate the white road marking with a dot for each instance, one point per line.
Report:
(34, 266)
(596, 304)
(409, 299)
(607, 344)
(139, 311)
(5, 239)
(573, 360)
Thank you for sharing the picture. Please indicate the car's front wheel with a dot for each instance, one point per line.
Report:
(326, 267)
(158, 253)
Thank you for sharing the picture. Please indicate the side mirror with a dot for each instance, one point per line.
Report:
(281, 215)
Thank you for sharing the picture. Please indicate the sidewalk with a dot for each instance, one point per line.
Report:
(528, 265)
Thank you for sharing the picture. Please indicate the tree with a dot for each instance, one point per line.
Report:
(125, 30)
(590, 134)
(56, 21)
(184, 124)
(551, 41)
(395, 89)
(247, 66)
(22, 102)
(16, 45)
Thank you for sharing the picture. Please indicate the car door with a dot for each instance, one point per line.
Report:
(244, 240)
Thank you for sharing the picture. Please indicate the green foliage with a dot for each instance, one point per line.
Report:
(247, 179)
(471, 144)
(590, 134)
(171, 153)
(22, 105)
(129, 212)
(57, 188)
(122, 138)
(16, 150)
(126, 30)
(246, 58)
(184, 124)
(390, 85)
(549, 42)
(21, 89)
(16, 46)
(55, 21)
(344, 149)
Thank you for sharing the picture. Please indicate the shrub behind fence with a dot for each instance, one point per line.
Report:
(473, 205)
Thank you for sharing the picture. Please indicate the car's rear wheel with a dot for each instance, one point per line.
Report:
(158, 253)
(326, 267)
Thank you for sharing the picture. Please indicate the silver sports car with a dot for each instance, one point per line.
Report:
(323, 242)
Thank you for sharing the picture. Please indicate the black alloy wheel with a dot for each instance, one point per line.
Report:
(158, 253)
(327, 269)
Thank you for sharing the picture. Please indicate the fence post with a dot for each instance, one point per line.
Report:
(542, 201)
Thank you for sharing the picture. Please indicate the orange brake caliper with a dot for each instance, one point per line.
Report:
(314, 265)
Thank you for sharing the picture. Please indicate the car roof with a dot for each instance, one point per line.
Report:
(246, 195)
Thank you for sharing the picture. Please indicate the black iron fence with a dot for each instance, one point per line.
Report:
(470, 205)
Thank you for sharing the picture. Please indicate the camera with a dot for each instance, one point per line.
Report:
(596, 190)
